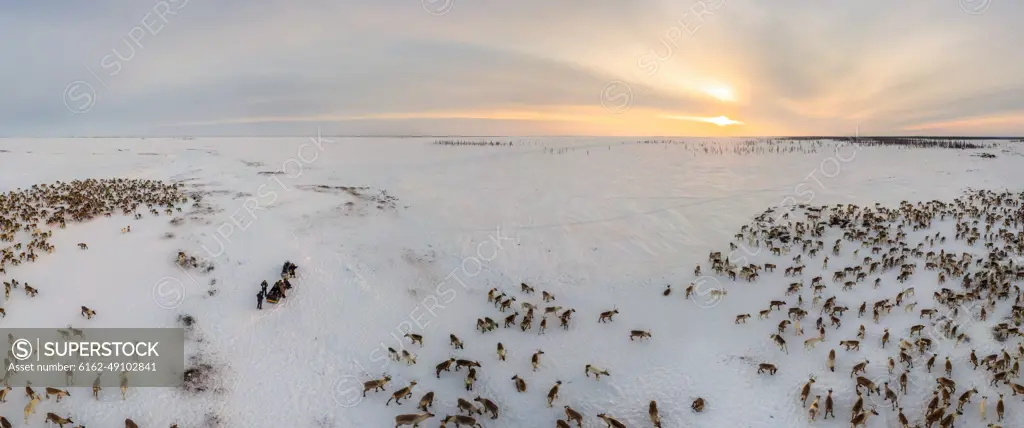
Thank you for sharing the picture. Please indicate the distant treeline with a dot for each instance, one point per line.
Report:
(472, 143)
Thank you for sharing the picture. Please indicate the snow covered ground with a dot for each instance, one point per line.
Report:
(394, 235)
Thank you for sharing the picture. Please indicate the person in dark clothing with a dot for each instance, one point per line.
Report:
(287, 284)
(259, 300)
(263, 287)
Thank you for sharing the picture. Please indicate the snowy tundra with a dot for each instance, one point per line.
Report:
(394, 236)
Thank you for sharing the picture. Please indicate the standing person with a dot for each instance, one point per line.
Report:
(263, 287)
(259, 300)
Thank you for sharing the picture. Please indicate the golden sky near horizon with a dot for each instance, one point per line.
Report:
(597, 67)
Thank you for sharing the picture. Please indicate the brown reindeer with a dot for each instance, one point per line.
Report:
(606, 316)
(426, 401)
(612, 422)
(412, 419)
(375, 385)
(415, 338)
(57, 392)
(460, 420)
(639, 334)
(128, 423)
(52, 417)
(520, 383)
(553, 393)
(574, 416)
(401, 393)
(489, 405)
(88, 313)
(861, 419)
(652, 411)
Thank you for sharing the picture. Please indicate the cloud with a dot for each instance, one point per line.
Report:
(530, 67)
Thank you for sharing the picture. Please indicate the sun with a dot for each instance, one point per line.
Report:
(722, 121)
(722, 93)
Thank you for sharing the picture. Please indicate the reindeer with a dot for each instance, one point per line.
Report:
(535, 359)
(30, 408)
(780, 342)
(806, 390)
(573, 416)
(553, 393)
(415, 338)
(445, 365)
(813, 411)
(6, 423)
(765, 367)
(412, 419)
(29, 291)
(742, 318)
(548, 297)
(859, 368)
(489, 406)
(520, 383)
(455, 342)
(409, 357)
(83, 246)
(470, 378)
(3, 393)
(965, 398)
(128, 423)
(810, 343)
(460, 420)
(606, 316)
(375, 385)
(56, 392)
(401, 393)
(96, 386)
(596, 371)
(612, 422)
(652, 411)
(639, 334)
(466, 406)
(698, 405)
(426, 401)
(526, 289)
(890, 395)
(52, 417)
(501, 352)
(511, 319)
(460, 363)
(868, 384)
(861, 419)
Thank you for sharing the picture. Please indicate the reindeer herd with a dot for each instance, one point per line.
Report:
(894, 251)
(467, 412)
(30, 210)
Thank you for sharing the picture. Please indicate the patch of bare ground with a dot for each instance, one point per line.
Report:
(252, 164)
(270, 172)
(365, 199)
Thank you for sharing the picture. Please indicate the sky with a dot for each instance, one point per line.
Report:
(511, 67)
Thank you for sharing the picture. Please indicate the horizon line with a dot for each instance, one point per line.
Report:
(806, 137)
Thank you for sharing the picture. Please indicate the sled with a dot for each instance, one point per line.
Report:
(272, 300)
